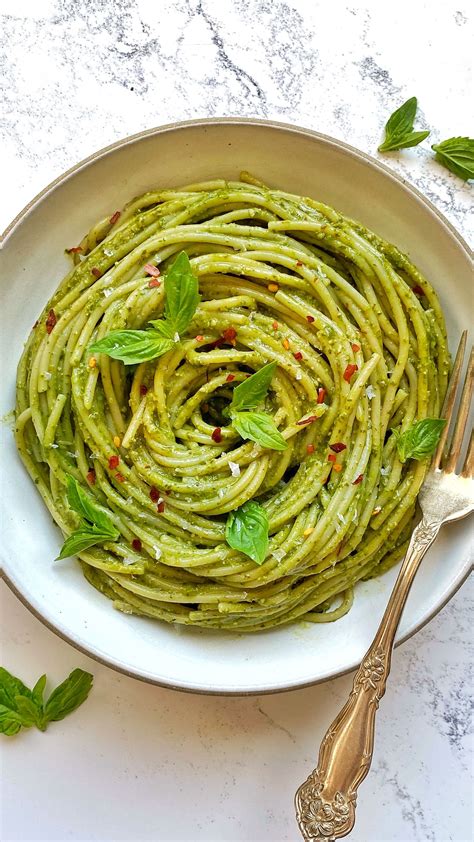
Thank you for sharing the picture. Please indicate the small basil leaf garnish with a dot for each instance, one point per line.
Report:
(260, 428)
(247, 531)
(420, 440)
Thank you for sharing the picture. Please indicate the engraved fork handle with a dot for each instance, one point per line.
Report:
(326, 801)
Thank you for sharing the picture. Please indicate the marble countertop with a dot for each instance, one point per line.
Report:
(143, 763)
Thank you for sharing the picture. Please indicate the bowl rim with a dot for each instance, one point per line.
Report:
(229, 121)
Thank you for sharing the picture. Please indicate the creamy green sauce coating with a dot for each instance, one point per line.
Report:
(359, 340)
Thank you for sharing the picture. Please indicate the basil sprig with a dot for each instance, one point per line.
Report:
(420, 440)
(21, 707)
(457, 154)
(247, 530)
(181, 301)
(95, 526)
(399, 132)
(256, 426)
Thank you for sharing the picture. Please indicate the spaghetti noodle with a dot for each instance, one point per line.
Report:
(359, 343)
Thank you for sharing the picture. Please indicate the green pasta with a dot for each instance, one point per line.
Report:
(359, 340)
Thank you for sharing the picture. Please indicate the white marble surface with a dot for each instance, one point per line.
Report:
(138, 762)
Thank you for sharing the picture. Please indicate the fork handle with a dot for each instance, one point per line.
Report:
(326, 801)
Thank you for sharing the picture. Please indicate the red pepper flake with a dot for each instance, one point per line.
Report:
(321, 395)
(298, 355)
(143, 389)
(113, 462)
(96, 272)
(154, 494)
(310, 319)
(119, 477)
(230, 378)
(161, 507)
(337, 468)
(114, 218)
(332, 457)
(137, 544)
(51, 321)
(310, 448)
(216, 435)
(358, 479)
(299, 263)
(418, 290)
(275, 325)
(229, 334)
(338, 446)
(151, 270)
(350, 370)
(308, 420)
(216, 344)
(355, 347)
(154, 283)
(199, 337)
(286, 344)
(74, 250)
(90, 476)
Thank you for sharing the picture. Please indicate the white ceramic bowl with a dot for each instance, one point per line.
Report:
(33, 262)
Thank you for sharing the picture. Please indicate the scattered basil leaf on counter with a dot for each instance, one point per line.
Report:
(96, 526)
(252, 391)
(68, 696)
(23, 708)
(181, 300)
(420, 440)
(457, 154)
(260, 428)
(247, 531)
(38, 690)
(399, 132)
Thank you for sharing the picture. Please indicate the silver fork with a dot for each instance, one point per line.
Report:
(326, 801)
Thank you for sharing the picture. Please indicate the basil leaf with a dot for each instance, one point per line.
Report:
(399, 132)
(404, 141)
(10, 721)
(132, 346)
(38, 690)
(252, 391)
(181, 294)
(67, 697)
(22, 708)
(82, 539)
(457, 155)
(247, 531)
(30, 713)
(258, 427)
(81, 503)
(164, 329)
(420, 440)
(10, 686)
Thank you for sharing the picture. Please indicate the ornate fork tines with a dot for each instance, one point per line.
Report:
(462, 416)
(326, 801)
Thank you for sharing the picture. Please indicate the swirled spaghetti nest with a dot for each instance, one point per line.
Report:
(351, 324)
